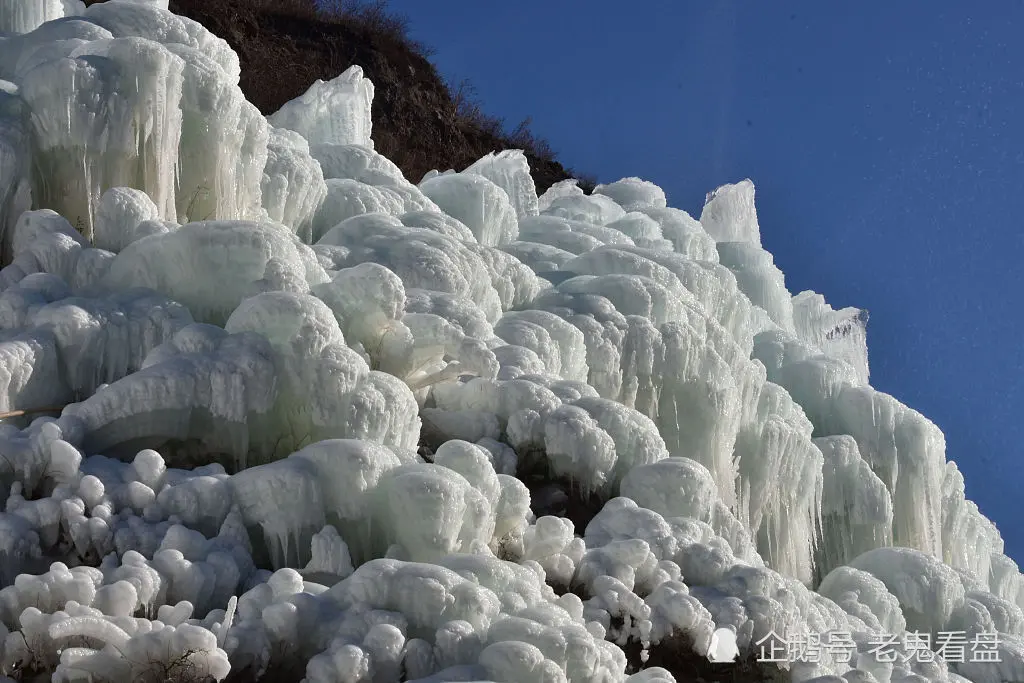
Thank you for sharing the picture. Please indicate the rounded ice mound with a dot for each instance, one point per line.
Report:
(357, 162)
(593, 442)
(102, 340)
(595, 208)
(476, 201)
(347, 198)
(152, 20)
(634, 194)
(681, 487)
(440, 223)
(643, 230)
(432, 511)
(865, 597)
(928, 591)
(428, 259)
(119, 213)
(559, 344)
(543, 259)
(299, 325)
(563, 188)
(177, 380)
(365, 299)
(325, 388)
(335, 112)
(211, 266)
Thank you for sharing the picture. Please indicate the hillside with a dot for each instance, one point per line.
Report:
(419, 122)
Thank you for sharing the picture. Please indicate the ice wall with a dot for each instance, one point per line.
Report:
(270, 405)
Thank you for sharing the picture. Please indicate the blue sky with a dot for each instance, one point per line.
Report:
(886, 141)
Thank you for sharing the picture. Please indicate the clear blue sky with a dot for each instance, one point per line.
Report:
(886, 141)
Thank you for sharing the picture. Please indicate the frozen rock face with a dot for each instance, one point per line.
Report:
(268, 405)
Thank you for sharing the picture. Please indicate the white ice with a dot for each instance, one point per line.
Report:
(268, 403)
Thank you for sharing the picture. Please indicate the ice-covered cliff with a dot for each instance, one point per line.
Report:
(272, 407)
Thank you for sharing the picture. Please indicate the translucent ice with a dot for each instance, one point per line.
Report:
(510, 171)
(478, 202)
(335, 112)
(87, 143)
(729, 214)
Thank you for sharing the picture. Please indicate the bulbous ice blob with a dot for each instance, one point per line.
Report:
(150, 19)
(928, 591)
(563, 188)
(202, 377)
(634, 194)
(356, 162)
(433, 511)
(102, 340)
(595, 442)
(643, 230)
(30, 372)
(350, 470)
(559, 344)
(426, 259)
(211, 266)
(348, 198)
(595, 208)
(325, 389)
(864, 596)
(119, 213)
(439, 222)
(680, 487)
(541, 258)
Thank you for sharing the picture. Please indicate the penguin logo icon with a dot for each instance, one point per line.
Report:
(723, 648)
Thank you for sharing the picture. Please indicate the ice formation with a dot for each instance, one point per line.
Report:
(269, 406)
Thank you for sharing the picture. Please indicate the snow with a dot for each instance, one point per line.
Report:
(270, 404)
